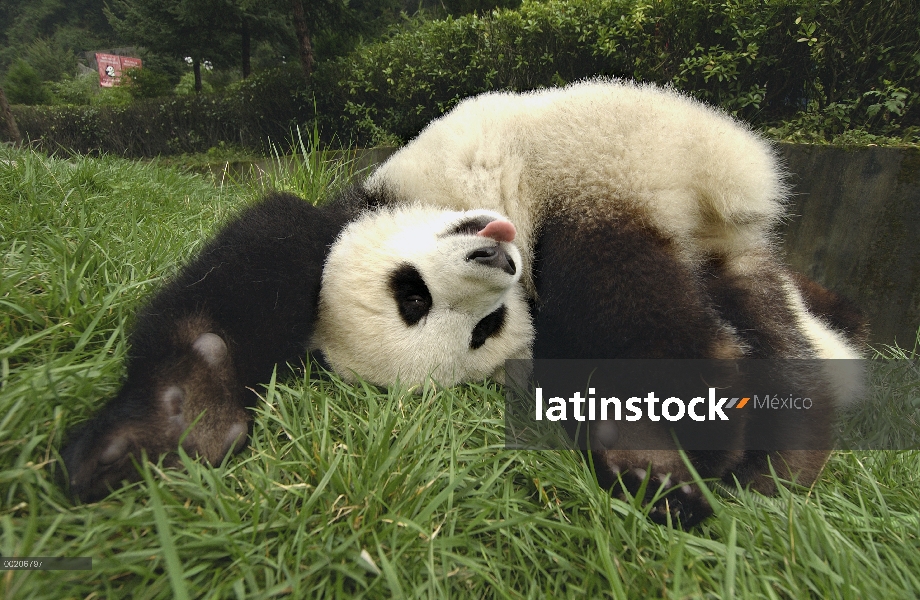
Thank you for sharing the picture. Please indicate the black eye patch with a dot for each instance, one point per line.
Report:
(411, 294)
(490, 325)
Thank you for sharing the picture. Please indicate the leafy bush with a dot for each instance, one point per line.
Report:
(865, 70)
(84, 90)
(253, 114)
(764, 60)
(186, 85)
(51, 60)
(23, 85)
(79, 90)
(147, 83)
(810, 69)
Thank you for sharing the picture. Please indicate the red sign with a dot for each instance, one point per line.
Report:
(111, 66)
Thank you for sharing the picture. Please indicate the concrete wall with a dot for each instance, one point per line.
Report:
(854, 226)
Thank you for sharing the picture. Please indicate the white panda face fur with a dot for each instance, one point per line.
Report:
(414, 292)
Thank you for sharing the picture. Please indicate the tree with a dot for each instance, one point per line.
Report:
(261, 21)
(304, 43)
(200, 29)
(225, 31)
(25, 85)
(67, 27)
(338, 23)
(317, 13)
(361, 20)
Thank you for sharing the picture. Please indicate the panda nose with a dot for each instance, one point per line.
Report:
(493, 256)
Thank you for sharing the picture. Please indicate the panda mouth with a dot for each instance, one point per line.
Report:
(493, 256)
(470, 226)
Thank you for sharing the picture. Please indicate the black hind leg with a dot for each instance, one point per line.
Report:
(245, 304)
(196, 403)
(610, 287)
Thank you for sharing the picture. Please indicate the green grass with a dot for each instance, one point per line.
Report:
(345, 491)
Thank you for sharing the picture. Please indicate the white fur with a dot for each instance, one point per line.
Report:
(359, 329)
(702, 179)
(848, 384)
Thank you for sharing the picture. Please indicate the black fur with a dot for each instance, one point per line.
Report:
(255, 286)
(471, 227)
(649, 304)
(836, 310)
(411, 294)
(645, 304)
(490, 325)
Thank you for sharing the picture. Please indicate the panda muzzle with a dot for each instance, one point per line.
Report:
(493, 256)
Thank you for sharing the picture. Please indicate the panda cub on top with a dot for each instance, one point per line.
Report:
(601, 220)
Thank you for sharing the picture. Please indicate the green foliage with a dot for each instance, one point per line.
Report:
(113, 96)
(804, 69)
(186, 85)
(79, 90)
(147, 83)
(201, 29)
(254, 113)
(52, 62)
(84, 90)
(23, 85)
(764, 61)
(465, 7)
(305, 169)
(866, 65)
(714, 50)
(339, 27)
(65, 27)
(838, 123)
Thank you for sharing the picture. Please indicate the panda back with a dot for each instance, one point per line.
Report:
(694, 173)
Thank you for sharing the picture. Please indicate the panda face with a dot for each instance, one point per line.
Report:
(417, 292)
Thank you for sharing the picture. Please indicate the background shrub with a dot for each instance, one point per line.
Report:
(23, 85)
(78, 90)
(262, 110)
(809, 69)
(762, 60)
(147, 83)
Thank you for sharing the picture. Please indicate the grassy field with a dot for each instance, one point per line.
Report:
(345, 491)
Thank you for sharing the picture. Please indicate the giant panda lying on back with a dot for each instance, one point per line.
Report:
(602, 220)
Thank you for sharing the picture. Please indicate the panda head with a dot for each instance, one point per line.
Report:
(415, 292)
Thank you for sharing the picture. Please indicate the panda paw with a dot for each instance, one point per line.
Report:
(672, 502)
(103, 452)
